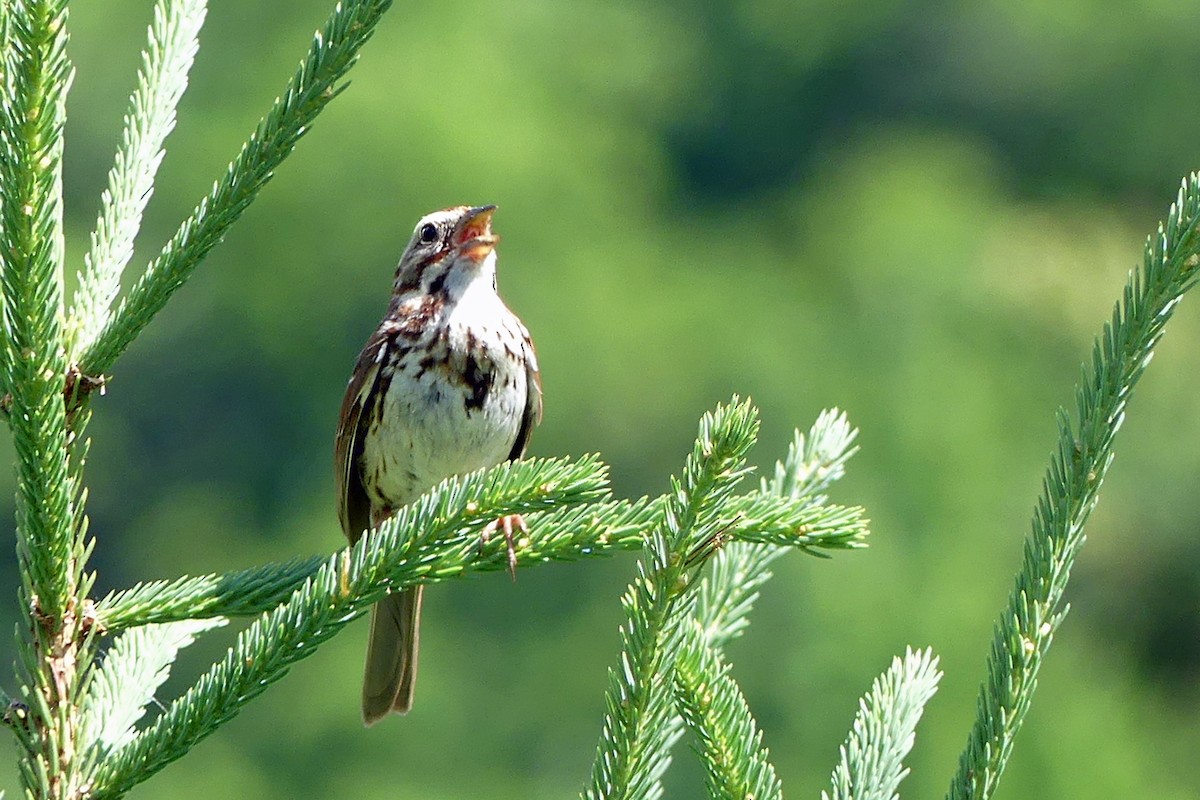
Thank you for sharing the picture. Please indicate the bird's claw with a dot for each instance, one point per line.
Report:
(506, 524)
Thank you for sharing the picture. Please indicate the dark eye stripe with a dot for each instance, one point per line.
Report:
(433, 257)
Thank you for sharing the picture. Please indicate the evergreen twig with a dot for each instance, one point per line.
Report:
(636, 739)
(136, 665)
(1070, 489)
(344, 588)
(333, 52)
(872, 759)
(729, 741)
(813, 462)
(161, 81)
(728, 593)
(50, 550)
(31, 249)
(566, 534)
(563, 534)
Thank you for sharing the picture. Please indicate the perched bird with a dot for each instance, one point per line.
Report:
(448, 383)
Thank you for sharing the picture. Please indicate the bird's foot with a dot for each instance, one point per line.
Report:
(506, 524)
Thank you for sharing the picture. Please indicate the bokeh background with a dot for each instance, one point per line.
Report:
(920, 212)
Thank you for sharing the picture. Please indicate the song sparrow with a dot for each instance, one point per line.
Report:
(448, 383)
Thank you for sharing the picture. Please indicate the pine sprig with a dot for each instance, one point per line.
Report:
(341, 590)
(636, 739)
(50, 552)
(813, 462)
(31, 250)
(161, 82)
(816, 460)
(564, 534)
(771, 520)
(136, 665)
(1070, 489)
(728, 593)
(333, 52)
(241, 593)
(872, 759)
(730, 744)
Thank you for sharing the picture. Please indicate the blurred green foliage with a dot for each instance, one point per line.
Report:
(919, 212)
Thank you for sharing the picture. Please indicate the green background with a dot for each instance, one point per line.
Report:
(918, 212)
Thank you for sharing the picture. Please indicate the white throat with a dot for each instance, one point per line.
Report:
(471, 292)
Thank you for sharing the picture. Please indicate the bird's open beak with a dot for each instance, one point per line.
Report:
(474, 236)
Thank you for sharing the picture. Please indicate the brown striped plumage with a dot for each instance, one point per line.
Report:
(448, 383)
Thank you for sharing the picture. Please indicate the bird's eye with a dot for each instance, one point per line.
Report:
(428, 233)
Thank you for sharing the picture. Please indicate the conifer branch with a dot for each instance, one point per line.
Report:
(813, 462)
(782, 522)
(50, 549)
(728, 593)
(333, 52)
(161, 81)
(566, 534)
(872, 759)
(636, 739)
(31, 249)
(1070, 489)
(136, 665)
(729, 741)
(344, 588)
(233, 594)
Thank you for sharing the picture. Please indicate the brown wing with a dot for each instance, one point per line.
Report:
(533, 399)
(354, 506)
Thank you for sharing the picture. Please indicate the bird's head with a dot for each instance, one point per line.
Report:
(449, 248)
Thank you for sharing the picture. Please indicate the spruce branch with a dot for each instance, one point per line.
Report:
(872, 759)
(50, 541)
(816, 460)
(728, 593)
(813, 462)
(136, 665)
(771, 520)
(729, 741)
(161, 82)
(1070, 489)
(31, 248)
(241, 593)
(636, 738)
(333, 52)
(344, 588)
(565, 534)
